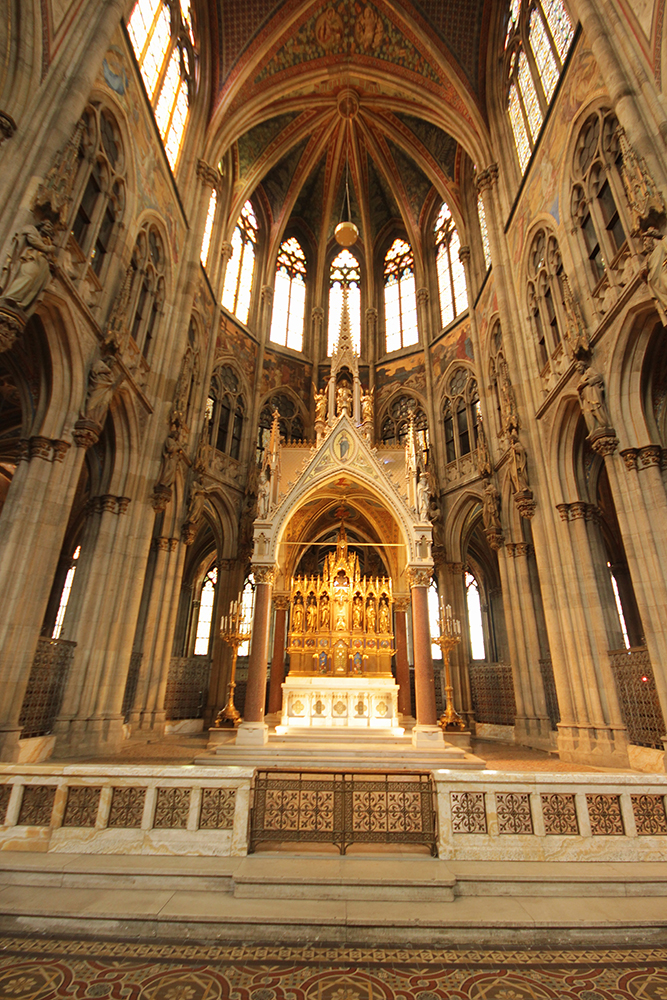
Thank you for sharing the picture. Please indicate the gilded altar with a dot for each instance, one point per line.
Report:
(340, 645)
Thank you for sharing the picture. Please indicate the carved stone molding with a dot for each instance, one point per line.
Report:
(267, 295)
(281, 602)
(227, 564)
(630, 456)
(226, 250)
(494, 537)
(455, 568)
(208, 174)
(86, 432)
(7, 126)
(60, 449)
(264, 574)
(464, 255)
(419, 577)
(106, 503)
(12, 325)
(401, 604)
(487, 178)
(650, 455)
(579, 510)
(48, 449)
(604, 442)
(188, 532)
(160, 498)
(422, 296)
(516, 549)
(525, 503)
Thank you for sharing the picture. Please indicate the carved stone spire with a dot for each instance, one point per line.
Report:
(344, 354)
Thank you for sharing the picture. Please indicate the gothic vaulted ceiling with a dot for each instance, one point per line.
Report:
(387, 94)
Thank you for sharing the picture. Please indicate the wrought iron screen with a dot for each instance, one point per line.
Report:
(187, 687)
(550, 695)
(638, 697)
(343, 808)
(46, 686)
(492, 690)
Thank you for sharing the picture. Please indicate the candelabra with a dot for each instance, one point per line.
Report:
(234, 630)
(450, 635)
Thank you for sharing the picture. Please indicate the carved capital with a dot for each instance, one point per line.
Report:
(40, 447)
(12, 325)
(60, 449)
(7, 126)
(208, 174)
(650, 455)
(604, 441)
(422, 296)
(160, 498)
(226, 250)
(267, 295)
(630, 456)
(264, 574)
(579, 511)
(487, 178)
(161, 543)
(525, 503)
(281, 602)
(227, 564)
(564, 511)
(23, 450)
(494, 537)
(188, 532)
(464, 256)
(455, 568)
(401, 604)
(419, 577)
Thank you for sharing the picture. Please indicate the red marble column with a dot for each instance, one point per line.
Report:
(278, 659)
(402, 668)
(253, 729)
(421, 639)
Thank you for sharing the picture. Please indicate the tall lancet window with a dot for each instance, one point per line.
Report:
(344, 274)
(289, 296)
(400, 297)
(451, 273)
(163, 42)
(241, 265)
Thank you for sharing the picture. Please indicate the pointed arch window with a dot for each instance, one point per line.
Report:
(247, 609)
(225, 412)
(434, 619)
(461, 412)
(539, 35)
(163, 42)
(101, 186)
(545, 299)
(475, 628)
(64, 597)
(205, 616)
(289, 296)
(396, 423)
(484, 231)
(344, 273)
(240, 269)
(148, 287)
(400, 297)
(291, 424)
(450, 270)
(208, 227)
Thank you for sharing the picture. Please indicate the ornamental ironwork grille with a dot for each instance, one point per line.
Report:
(492, 690)
(637, 696)
(46, 686)
(187, 687)
(343, 808)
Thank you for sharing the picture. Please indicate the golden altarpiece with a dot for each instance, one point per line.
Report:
(340, 645)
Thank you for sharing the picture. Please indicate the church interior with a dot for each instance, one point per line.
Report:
(333, 498)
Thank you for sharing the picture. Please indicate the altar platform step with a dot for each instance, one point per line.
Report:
(323, 749)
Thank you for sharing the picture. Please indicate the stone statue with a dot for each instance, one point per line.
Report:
(384, 624)
(171, 456)
(311, 615)
(264, 493)
(357, 612)
(28, 270)
(370, 615)
(518, 464)
(102, 384)
(423, 494)
(656, 274)
(321, 406)
(491, 507)
(324, 612)
(590, 390)
(297, 617)
(341, 617)
(196, 502)
(343, 399)
(367, 407)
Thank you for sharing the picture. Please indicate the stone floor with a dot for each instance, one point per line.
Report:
(48, 969)
(182, 749)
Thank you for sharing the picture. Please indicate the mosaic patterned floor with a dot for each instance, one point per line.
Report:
(36, 969)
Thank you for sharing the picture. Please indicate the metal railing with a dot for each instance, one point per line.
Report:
(638, 696)
(46, 686)
(343, 808)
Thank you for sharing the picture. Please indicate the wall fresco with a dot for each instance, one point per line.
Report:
(455, 345)
(233, 340)
(409, 373)
(279, 370)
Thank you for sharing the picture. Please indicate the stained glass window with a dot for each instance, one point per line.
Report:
(529, 95)
(400, 297)
(560, 26)
(205, 612)
(289, 296)
(344, 273)
(544, 57)
(450, 270)
(519, 128)
(163, 42)
(208, 228)
(513, 17)
(241, 265)
(64, 597)
(247, 609)
(484, 231)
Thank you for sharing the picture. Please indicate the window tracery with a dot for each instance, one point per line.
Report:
(597, 192)
(225, 412)
(499, 376)
(400, 297)
(208, 227)
(475, 627)
(101, 183)
(289, 296)
(484, 231)
(148, 287)
(163, 42)
(240, 269)
(290, 423)
(64, 597)
(449, 268)
(538, 38)
(396, 423)
(205, 615)
(460, 414)
(344, 273)
(545, 298)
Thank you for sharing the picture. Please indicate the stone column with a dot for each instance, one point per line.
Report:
(281, 604)
(32, 528)
(401, 605)
(426, 733)
(253, 731)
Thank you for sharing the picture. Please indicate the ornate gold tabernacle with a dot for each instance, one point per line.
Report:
(341, 622)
